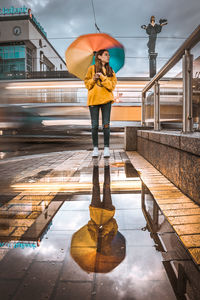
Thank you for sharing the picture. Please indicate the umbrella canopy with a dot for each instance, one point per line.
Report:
(80, 54)
(95, 252)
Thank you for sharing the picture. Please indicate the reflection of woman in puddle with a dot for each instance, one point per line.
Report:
(98, 246)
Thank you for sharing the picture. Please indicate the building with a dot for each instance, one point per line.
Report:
(24, 46)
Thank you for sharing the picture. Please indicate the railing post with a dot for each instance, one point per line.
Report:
(143, 109)
(187, 91)
(157, 106)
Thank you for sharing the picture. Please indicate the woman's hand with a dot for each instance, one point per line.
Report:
(97, 76)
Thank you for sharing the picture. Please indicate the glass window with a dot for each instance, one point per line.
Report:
(12, 60)
(29, 60)
(22, 67)
(22, 51)
(11, 53)
(1, 52)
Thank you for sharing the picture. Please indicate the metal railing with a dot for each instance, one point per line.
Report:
(187, 70)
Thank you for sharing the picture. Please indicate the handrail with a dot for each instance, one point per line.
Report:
(189, 43)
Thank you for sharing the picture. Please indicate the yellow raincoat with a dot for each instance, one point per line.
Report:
(100, 92)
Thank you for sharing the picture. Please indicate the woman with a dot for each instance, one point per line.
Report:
(100, 82)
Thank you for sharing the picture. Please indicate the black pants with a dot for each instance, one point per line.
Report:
(107, 200)
(94, 113)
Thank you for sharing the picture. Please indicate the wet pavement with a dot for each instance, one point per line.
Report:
(55, 141)
(76, 228)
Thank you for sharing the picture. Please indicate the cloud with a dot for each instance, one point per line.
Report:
(64, 20)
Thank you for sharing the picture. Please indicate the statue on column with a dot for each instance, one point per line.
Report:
(152, 29)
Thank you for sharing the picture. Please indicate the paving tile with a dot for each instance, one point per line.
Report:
(181, 212)
(70, 220)
(178, 206)
(168, 194)
(6, 231)
(39, 282)
(13, 214)
(187, 229)
(130, 201)
(8, 288)
(73, 272)
(130, 219)
(147, 262)
(3, 252)
(195, 252)
(133, 288)
(18, 261)
(191, 240)
(137, 238)
(39, 225)
(34, 215)
(24, 201)
(184, 220)
(17, 222)
(19, 207)
(53, 247)
(73, 290)
(19, 231)
(36, 198)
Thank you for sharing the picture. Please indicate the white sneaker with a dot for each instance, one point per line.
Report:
(95, 152)
(106, 152)
(106, 162)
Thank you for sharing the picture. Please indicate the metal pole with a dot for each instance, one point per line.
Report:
(143, 109)
(143, 195)
(187, 91)
(157, 106)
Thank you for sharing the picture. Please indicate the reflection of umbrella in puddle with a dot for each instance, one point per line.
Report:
(99, 246)
(80, 54)
(95, 252)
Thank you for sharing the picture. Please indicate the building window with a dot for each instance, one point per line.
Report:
(61, 66)
(12, 60)
(29, 60)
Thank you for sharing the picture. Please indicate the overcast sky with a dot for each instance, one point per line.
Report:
(63, 20)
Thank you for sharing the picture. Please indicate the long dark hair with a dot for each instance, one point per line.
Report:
(98, 64)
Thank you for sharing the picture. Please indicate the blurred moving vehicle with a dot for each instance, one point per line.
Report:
(20, 119)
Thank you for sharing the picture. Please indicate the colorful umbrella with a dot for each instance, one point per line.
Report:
(97, 253)
(80, 54)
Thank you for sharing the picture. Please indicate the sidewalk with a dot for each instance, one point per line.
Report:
(44, 204)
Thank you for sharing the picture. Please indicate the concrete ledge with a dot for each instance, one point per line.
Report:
(186, 142)
(130, 137)
(175, 155)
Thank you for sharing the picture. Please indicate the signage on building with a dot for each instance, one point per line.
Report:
(21, 10)
(12, 10)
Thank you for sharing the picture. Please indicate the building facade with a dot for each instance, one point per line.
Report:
(24, 46)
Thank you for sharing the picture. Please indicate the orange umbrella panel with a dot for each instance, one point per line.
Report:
(80, 54)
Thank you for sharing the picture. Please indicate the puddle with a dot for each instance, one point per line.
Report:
(109, 242)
